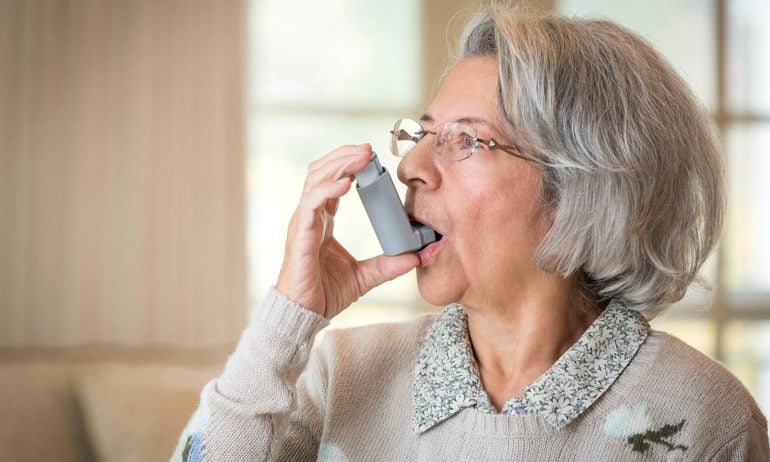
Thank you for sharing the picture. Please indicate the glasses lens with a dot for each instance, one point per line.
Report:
(405, 135)
(455, 141)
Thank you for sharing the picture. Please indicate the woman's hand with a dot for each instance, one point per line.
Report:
(317, 272)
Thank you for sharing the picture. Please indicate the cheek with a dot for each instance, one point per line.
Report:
(468, 211)
(479, 223)
(498, 219)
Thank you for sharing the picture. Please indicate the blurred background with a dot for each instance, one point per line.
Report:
(152, 152)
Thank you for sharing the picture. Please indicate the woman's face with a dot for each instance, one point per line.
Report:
(487, 207)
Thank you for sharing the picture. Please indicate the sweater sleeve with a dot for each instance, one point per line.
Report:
(245, 413)
(749, 445)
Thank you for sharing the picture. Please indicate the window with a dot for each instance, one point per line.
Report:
(340, 73)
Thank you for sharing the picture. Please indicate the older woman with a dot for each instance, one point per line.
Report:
(578, 187)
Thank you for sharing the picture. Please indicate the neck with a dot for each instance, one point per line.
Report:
(516, 338)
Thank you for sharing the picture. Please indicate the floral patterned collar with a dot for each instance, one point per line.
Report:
(447, 378)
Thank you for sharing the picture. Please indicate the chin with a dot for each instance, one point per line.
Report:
(434, 290)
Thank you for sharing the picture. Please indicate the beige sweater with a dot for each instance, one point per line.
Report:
(354, 402)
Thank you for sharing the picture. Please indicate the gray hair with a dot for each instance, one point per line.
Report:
(631, 167)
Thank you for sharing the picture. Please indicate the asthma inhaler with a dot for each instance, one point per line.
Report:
(386, 213)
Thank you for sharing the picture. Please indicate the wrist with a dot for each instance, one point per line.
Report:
(304, 298)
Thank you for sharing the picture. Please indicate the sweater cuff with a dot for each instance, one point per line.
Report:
(286, 319)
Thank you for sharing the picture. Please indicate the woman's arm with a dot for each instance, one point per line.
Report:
(244, 414)
(749, 444)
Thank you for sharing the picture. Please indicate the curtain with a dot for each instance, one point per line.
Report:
(121, 173)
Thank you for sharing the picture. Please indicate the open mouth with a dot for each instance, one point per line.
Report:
(428, 235)
(431, 241)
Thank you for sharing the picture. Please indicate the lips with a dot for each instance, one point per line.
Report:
(426, 253)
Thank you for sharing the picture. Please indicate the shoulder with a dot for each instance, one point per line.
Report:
(376, 345)
(682, 371)
(689, 373)
(353, 365)
(692, 387)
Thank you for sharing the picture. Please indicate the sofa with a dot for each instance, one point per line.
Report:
(98, 407)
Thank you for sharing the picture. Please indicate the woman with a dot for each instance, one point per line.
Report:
(578, 187)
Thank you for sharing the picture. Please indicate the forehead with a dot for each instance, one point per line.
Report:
(468, 92)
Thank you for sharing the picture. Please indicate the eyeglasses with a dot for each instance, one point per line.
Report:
(452, 141)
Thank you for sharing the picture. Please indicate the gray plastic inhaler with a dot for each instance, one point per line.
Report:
(386, 213)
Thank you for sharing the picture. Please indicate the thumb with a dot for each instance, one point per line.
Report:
(374, 271)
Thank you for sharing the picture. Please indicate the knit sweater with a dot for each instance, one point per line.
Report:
(356, 398)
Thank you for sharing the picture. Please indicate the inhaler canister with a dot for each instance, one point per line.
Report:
(386, 213)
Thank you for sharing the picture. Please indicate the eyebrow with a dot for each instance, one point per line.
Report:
(463, 120)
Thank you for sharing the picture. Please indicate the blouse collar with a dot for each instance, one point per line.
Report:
(447, 378)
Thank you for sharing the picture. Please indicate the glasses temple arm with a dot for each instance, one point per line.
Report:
(511, 149)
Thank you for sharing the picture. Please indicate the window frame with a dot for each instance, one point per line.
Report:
(724, 309)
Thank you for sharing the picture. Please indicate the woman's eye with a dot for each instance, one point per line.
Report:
(467, 141)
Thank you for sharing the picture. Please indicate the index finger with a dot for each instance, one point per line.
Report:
(342, 151)
(337, 168)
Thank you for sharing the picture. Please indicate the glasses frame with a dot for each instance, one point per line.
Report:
(490, 143)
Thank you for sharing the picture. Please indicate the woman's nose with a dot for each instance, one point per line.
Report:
(418, 166)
